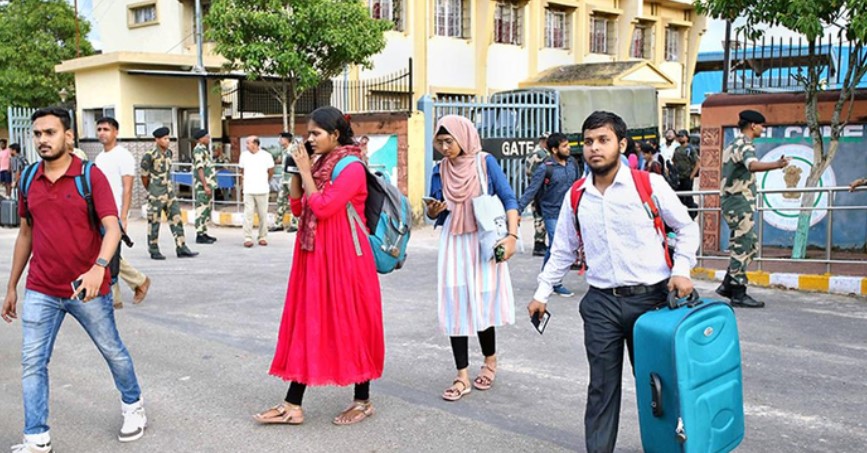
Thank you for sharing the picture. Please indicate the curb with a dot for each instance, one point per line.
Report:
(833, 284)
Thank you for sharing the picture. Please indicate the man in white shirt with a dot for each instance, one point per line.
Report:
(118, 165)
(626, 265)
(257, 168)
(668, 146)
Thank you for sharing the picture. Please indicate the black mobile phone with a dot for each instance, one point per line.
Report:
(75, 286)
(309, 148)
(540, 323)
(500, 253)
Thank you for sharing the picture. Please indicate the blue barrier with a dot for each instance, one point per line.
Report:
(225, 179)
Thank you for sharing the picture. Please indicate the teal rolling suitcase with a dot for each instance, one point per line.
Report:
(688, 377)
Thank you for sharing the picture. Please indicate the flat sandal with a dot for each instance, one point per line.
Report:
(286, 415)
(364, 408)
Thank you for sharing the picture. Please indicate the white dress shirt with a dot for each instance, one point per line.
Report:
(621, 245)
(667, 151)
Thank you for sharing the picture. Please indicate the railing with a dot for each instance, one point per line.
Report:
(760, 210)
(781, 64)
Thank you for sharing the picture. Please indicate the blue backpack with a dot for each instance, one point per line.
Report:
(83, 185)
(389, 219)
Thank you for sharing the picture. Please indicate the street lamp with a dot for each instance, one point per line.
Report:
(63, 93)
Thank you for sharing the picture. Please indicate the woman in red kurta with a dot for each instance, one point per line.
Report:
(331, 331)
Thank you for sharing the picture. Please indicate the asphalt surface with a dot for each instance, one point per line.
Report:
(202, 344)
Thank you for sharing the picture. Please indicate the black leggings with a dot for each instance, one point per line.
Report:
(460, 347)
(296, 392)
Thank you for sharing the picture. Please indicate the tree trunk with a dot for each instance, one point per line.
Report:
(802, 233)
(283, 101)
(292, 98)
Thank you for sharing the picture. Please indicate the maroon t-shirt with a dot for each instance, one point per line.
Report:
(65, 242)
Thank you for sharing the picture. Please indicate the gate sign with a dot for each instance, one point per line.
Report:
(793, 176)
(509, 147)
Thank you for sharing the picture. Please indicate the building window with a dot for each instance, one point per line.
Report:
(602, 34)
(673, 37)
(89, 118)
(507, 23)
(452, 18)
(148, 119)
(141, 14)
(673, 117)
(556, 28)
(642, 42)
(391, 10)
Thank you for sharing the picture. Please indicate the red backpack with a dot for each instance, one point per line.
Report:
(645, 192)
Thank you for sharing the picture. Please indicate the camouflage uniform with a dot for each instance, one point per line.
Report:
(737, 200)
(157, 166)
(533, 161)
(283, 196)
(202, 161)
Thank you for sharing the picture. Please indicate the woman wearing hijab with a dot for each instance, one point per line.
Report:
(475, 295)
(331, 331)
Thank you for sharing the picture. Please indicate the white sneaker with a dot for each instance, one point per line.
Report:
(31, 445)
(134, 422)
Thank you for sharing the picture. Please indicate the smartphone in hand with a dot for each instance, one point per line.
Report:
(75, 286)
(540, 322)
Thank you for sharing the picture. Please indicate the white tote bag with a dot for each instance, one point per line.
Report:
(490, 215)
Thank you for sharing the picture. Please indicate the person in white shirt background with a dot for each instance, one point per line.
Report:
(118, 165)
(626, 266)
(668, 146)
(257, 168)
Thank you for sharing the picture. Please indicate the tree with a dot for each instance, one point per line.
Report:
(847, 21)
(36, 35)
(297, 42)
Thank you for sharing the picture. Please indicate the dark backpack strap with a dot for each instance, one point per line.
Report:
(24, 188)
(83, 185)
(645, 193)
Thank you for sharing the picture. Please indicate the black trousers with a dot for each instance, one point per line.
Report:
(688, 201)
(295, 394)
(461, 346)
(608, 323)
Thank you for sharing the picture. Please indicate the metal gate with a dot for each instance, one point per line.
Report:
(509, 125)
(21, 131)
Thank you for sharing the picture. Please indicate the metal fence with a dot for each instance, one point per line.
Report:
(388, 93)
(524, 115)
(760, 257)
(780, 64)
(21, 131)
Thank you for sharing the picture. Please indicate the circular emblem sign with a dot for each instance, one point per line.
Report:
(783, 213)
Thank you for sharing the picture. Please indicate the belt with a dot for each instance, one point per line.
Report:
(635, 290)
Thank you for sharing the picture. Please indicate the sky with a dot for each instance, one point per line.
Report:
(85, 8)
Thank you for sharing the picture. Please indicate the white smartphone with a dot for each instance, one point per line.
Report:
(429, 200)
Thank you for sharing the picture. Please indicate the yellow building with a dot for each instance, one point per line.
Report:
(478, 47)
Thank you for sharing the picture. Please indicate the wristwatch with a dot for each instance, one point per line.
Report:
(101, 262)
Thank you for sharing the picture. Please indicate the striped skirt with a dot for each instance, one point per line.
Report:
(473, 295)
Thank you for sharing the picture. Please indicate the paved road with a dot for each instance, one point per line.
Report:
(202, 344)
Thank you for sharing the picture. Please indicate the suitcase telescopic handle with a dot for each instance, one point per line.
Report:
(656, 395)
(690, 301)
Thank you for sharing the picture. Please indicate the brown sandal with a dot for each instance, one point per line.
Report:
(281, 414)
(363, 410)
(453, 393)
(485, 379)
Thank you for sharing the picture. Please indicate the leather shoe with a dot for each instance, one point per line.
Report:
(142, 291)
(186, 253)
(157, 256)
(203, 239)
(725, 288)
(275, 228)
(212, 239)
(741, 299)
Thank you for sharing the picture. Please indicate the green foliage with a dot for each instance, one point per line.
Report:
(301, 42)
(36, 35)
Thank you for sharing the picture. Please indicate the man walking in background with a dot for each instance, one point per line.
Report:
(685, 160)
(257, 168)
(283, 195)
(204, 185)
(156, 167)
(5, 167)
(533, 160)
(118, 166)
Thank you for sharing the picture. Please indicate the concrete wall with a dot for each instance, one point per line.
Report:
(720, 113)
(164, 36)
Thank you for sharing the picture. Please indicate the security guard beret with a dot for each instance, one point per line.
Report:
(752, 116)
(161, 132)
(199, 133)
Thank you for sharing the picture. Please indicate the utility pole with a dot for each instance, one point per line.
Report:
(200, 68)
(77, 33)
(727, 56)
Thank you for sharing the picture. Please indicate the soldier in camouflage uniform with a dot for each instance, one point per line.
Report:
(737, 200)
(533, 160)
(283, 197)
(156, 168)
(205, 182)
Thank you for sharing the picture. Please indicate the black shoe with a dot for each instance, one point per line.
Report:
(211, 238)
(741, 299)
(157, 256)
(291, 229)
(186, 253)
(275, 228)
(539, 249)
(725, 288)
(203, 239)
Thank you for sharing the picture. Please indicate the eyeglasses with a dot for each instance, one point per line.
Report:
(445, 143)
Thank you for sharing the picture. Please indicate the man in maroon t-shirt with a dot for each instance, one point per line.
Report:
(68, 259)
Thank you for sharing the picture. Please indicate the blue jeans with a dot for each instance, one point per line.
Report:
(41, 319)
(551, 228)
